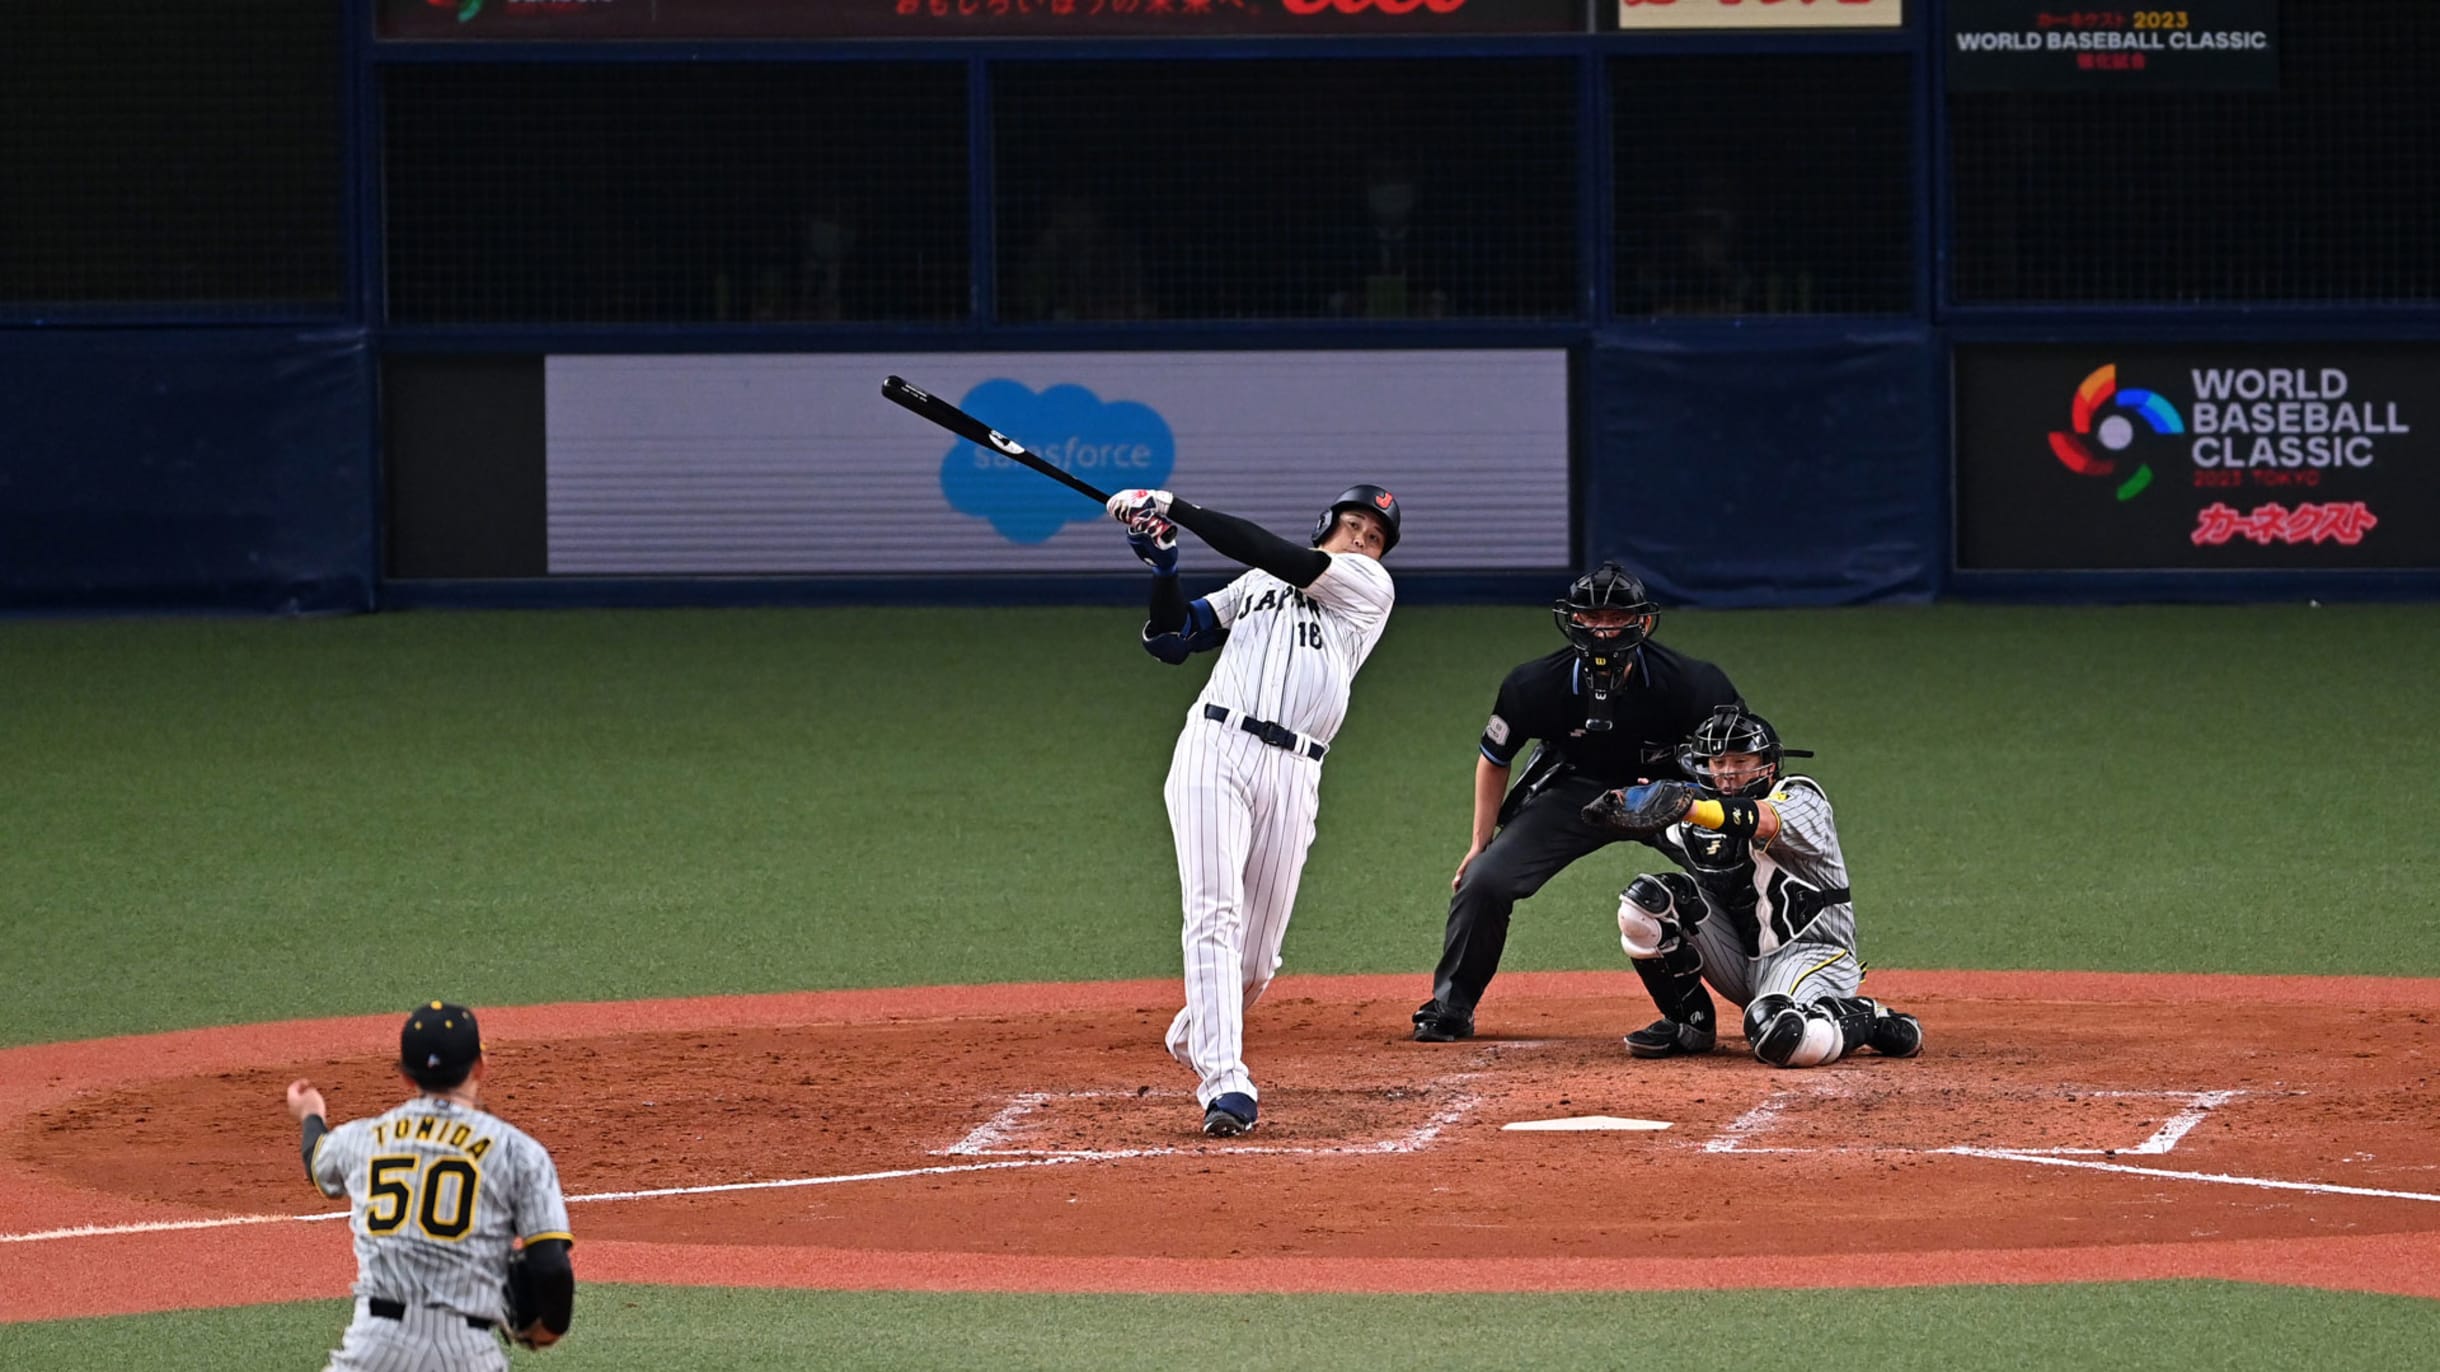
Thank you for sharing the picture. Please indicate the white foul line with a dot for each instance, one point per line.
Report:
(2221, 1178)
(90, 1231)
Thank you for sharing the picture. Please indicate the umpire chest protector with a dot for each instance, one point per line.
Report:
(1662, 696)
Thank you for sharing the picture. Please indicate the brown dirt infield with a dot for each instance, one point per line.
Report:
(1036, 1138)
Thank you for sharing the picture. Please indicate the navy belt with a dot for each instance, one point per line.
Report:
(1276, 735)
(397, 1310)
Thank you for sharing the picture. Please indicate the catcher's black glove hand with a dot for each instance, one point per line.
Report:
(1640, 810)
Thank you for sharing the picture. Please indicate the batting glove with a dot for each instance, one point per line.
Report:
(1139, 509)
(1156, 547)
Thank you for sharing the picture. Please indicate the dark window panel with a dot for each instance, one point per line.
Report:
(172, 155)
(1289, 189)
(1751, 184)
(2326, 189)
(704, 193)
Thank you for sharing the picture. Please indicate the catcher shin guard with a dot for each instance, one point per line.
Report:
(1655, 912)
(1785, 1034)
(1650, 929)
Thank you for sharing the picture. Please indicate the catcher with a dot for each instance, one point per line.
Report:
(1762, 910)
(459, 1224)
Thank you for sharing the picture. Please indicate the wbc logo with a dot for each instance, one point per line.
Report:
(2114, 431)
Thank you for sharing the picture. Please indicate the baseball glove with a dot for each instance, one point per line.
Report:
(1640, 810)
(524, 1324)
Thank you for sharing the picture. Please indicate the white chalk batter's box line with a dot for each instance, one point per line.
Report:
(990, 1139)
(1735, 1135)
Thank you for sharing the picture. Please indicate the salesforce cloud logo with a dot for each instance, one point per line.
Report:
(1114, 445)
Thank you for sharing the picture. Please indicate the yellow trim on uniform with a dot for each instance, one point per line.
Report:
(1816, 967)
(570, 1239)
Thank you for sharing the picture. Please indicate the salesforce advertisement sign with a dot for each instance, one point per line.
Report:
(789, 464)
(2142, 458)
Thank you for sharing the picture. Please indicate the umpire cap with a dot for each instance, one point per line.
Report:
(1373, 498)
(439, 1044)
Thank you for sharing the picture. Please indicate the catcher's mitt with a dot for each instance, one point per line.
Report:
(1640, 810)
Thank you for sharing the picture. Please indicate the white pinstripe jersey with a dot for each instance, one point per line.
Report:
(1291, 655)
(436, 1192)
(1793, 872)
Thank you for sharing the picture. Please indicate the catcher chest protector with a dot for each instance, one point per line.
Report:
(1372, 498)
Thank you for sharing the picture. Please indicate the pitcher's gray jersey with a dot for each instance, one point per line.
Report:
(1799, 937)
(437, 1191)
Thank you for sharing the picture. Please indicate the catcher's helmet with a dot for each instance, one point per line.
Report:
(1372, 498)
(1735, 729)
(1608, 587)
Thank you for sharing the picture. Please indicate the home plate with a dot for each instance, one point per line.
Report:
(1584, 1122)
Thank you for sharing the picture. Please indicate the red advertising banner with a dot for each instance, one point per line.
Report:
(904, 19)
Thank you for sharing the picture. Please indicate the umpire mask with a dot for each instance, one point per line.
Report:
(1605, 614)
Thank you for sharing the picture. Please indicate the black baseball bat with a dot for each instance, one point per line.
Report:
(973, 430)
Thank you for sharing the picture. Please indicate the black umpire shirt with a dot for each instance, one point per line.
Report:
(1651, 715)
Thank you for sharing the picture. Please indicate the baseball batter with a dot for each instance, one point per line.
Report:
(1763, 911)
(1245, 777)
(441, 1196)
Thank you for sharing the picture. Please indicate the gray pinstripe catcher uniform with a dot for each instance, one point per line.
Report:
(437, 1191)
(1794, 943)
(1241, 809)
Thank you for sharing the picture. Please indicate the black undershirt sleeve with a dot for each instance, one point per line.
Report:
(314, 1130)
(1167, 614)
(1250, 543)
(546, 1262)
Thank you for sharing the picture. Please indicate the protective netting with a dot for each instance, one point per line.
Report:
(1289, 189)
(2323, 190)
(707, 193)
(181, 157)
(1762, 184)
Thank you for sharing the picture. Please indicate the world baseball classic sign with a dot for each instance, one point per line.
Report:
(2059, 45)
(2269, 457)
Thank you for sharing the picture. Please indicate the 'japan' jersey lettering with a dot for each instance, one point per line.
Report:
(1292, 654)
(437, 1193)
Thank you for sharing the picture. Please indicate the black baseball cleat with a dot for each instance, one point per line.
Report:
(1433, 1024)
(1895, 1035)
(1231, 1113)
(1669, 1038)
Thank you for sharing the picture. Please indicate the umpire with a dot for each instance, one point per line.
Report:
(1609, 710)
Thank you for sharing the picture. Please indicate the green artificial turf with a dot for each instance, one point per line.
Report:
(219, 821)
(2161, 1327)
